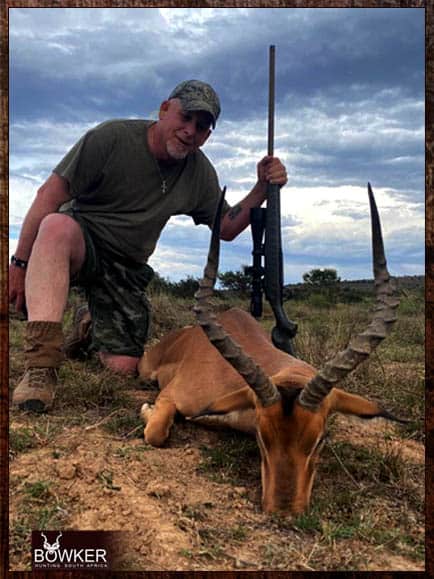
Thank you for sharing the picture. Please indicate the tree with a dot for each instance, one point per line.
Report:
(236, 281)
(324, 285)
(321, 277)
(185, 288)
(159, 284)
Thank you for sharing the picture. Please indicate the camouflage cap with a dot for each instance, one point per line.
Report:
(196, 95)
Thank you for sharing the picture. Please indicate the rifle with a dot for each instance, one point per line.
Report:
(270, 277)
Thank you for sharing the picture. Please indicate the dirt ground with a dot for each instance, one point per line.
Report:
(184, 515)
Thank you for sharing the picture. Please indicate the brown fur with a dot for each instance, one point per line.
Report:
(197, 382)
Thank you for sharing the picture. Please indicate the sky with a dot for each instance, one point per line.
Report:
(350, 108)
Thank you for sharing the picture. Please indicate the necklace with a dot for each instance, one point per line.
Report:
(174, 171)
(164, 187)
(151, 146)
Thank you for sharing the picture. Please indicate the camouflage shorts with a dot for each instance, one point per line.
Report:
(118, 305)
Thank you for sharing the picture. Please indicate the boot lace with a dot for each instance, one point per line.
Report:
(38, 377)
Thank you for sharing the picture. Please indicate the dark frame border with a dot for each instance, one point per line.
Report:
(4, 259)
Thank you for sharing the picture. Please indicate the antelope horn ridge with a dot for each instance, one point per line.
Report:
(255, 377)
(363, 344)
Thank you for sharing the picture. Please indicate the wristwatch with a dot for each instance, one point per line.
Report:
(19, 262)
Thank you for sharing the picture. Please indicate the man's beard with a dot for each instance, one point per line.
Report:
(176, 150)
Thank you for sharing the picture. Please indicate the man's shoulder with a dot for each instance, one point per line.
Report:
(202, 161)
(121, 125)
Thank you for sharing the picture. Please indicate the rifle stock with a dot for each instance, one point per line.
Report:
(285, 329)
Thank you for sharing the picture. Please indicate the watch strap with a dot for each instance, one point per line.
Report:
(19, 262)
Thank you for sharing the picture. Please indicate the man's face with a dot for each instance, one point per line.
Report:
(182, 132)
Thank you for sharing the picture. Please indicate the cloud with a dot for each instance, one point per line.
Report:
(318, 51)
(349, 109)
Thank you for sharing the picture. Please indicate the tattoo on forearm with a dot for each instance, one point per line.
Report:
(235, 211)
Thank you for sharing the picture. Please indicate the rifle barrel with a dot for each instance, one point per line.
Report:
(271, 101)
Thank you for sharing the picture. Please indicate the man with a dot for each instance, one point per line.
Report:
(96, 221)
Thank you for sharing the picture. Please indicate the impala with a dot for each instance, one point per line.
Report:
(227, 372)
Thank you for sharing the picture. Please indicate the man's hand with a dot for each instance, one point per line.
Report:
(17, 296)
(271, 170)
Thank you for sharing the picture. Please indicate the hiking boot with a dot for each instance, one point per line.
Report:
(42, 357)
(78, 342)
(35, 391)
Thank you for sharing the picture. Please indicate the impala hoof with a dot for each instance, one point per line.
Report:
(146, 412)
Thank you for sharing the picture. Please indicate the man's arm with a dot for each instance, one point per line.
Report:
(51, 195)
(269, 169)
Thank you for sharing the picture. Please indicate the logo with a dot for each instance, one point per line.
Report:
(74, 549)
(54, 547)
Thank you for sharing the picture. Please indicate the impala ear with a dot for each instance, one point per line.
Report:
(239, 400)
(341, 401)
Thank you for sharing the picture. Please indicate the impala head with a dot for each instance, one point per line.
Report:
(289, 441)
(291, 410)
(290, 438)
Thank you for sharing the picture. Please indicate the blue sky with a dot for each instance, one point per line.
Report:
(349, 109)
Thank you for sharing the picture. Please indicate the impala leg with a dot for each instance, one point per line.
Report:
(244, 420)
(159, 420)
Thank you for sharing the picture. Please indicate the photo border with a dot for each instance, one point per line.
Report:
(4, 258)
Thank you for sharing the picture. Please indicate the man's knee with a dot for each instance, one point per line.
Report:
(119, 363)
(61, 232)
(60, 229)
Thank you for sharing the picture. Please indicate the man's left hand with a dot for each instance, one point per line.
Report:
(271, 170)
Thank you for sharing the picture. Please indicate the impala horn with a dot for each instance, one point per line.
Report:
(363, 344)
(261, 384)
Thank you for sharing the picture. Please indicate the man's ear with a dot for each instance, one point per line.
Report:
(207, 135)
(164, 107)
(205, 138)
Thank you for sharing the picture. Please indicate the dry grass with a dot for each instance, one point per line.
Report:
(367, 507)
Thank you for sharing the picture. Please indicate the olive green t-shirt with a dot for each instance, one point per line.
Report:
(116, 186)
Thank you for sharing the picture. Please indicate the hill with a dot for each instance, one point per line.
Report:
(359, 288)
